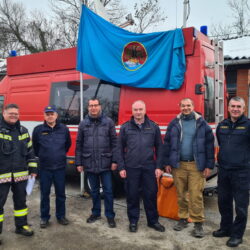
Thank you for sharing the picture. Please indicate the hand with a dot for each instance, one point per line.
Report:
(206, 172)
(33, 175)
(158, 173)
(123, 174)
(80, 168)
(113, 166)
(168, 169)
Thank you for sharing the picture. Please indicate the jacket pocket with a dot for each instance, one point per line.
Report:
(86, 160)
(106, 160)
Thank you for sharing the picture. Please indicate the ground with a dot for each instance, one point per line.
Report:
(80, 235)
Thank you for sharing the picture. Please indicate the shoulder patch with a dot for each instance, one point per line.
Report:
(240, 127)
(224, 127)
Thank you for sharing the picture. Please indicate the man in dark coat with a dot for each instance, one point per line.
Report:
(233, 136)
(17, 162)
(51, 142)
(139, 145)
(95, 155)
(188, 152)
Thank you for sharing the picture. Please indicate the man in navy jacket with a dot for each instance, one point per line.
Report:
(188, 152)
(139, 143)
(95, 155)
(51, 142)
(233, 136)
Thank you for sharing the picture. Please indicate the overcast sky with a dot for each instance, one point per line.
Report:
(203, 12)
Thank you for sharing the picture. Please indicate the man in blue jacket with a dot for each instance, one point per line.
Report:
(51, 142)
(233, 136)
(139, 146)
(188, 153)
(95, 155)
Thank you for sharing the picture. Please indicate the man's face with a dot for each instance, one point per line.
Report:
(50, 117)
(236, 109)
(94, 108)
(138, 110)
(186, 107)
(11, 115)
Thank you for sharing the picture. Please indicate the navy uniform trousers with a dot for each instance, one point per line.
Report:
(233, 185)
(19, 197)
(141, 181)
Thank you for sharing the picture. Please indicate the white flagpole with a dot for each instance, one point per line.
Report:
(81, 117)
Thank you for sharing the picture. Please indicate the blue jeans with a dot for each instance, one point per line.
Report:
(106, 180)
(47, 177)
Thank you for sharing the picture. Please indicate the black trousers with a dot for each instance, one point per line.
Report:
(233, 185)
(19, 198)
(141, 181)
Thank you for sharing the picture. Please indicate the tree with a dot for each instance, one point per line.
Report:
(241, 20)
(33, 33)
(148, 13)
(67, 15)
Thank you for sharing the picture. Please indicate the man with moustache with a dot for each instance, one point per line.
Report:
(233, 136)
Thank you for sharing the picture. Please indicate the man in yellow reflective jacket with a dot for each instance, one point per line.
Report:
(17, 162)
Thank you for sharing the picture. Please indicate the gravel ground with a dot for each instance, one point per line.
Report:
(80, 235)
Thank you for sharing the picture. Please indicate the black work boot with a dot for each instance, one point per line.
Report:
(24, 230)
(198, 231)
(181, 224)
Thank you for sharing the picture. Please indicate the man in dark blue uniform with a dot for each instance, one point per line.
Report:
(51, 141)
(233, 136)
(139, 142)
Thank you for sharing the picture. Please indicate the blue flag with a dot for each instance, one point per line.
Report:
(154, 60)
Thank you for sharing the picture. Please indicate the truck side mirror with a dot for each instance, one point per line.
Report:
(199, 89)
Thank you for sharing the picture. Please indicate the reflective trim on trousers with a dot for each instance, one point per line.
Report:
(22, 212)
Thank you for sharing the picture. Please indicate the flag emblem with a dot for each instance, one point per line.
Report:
(134, 56)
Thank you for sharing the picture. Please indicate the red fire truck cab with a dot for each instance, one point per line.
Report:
(34, 81)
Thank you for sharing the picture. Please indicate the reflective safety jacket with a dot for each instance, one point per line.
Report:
(17, 159)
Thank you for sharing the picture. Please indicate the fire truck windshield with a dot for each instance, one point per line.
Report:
(66, 97)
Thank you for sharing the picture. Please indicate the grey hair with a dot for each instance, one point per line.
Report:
(238, 99)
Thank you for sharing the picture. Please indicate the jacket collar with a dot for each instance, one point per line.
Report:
(196, 115)
(89, 120)
(146, 121)
(48, 127)
(240, 120)
(8, 126)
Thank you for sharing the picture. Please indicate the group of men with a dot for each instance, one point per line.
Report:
(140, 156)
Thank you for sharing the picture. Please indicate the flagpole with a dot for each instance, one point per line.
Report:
(185, 3)
(81, 115)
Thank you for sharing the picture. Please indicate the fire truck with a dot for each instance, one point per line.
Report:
(36, 80)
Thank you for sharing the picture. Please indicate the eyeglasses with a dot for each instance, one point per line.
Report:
(93, 105)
